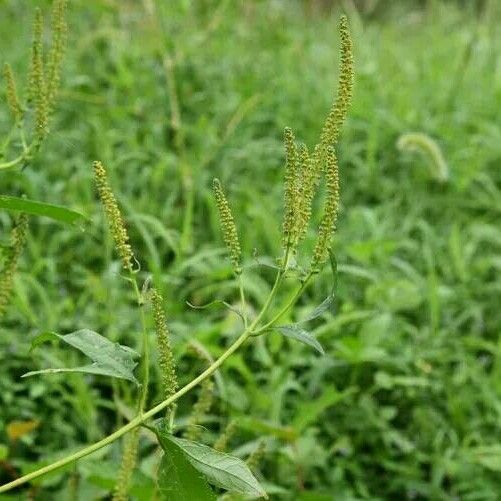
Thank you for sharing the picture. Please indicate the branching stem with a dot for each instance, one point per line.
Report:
(142, 417)
(287, 306)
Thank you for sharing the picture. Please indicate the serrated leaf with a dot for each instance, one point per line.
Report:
(55, 212)
(221, 469)
(178, 480)
(109, 359)
(299, 334)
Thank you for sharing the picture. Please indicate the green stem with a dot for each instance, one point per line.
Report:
(13, 163)
(145, 351)
(8, 137)
(287, 306)
(16, 161)
(242, 299)
(143, 417)
(23, 138)
(137, 421)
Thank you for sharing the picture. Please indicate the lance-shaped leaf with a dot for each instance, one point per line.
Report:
(319, 310)
(221, 469)
(55, 212)
(299, 334)
(178, 480)
(109, 359)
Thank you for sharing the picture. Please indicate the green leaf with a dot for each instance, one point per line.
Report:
(489, 456)
(178, 480)
(321, 308)
(310, 411)
(222, 470)
(43, 338)
(109, 359)
(55, 212)
(299, 334)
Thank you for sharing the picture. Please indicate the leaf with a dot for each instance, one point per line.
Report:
(55, 212)
(310, 411)
(109, 359)
(43, 338)
(103, 474)
(321, 308)
(299, 334)
(489, 456)
(264, 428)
(178, 480)
(222, 470)
(17, 429)
(4, 452)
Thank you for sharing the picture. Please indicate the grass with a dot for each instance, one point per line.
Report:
(407, 401)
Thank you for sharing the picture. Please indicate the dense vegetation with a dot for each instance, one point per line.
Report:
(406, 403)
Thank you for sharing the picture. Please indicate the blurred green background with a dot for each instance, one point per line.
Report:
(406, 404)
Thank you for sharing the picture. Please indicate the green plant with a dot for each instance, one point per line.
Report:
(30, 127)
(182, 457)
(32, 115)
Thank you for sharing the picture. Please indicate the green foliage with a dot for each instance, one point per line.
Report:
(10, 260)
(221, 469)
(32, 115)
(405, 404)
(108, 359)
(61, 214)
(178, 479)
(295, 332)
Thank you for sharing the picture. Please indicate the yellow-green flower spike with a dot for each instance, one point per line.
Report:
(114, 216)
(200, 409)
(337, 115)
(56, 53)
(165, 356)
(228, 227)
(307, 186)
(17, 241)
(422, 143)
(127, 466)
(291, 195)
(36, 89)
(256, 456)
(221, 444)
(36, 67)
(12, 98)
(329, 219)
